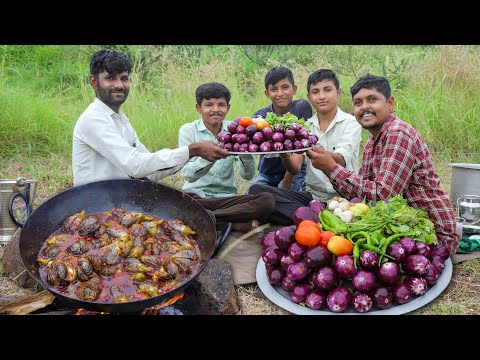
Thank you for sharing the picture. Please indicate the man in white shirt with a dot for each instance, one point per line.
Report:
(338, 132)
(105, 145)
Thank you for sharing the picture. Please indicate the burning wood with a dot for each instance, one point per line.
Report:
(153, 310)
(28, 304)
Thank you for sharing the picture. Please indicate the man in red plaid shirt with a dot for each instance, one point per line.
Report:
(396, 160)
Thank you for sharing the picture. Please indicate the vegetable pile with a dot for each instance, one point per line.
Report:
(387, 255)
(271, 134)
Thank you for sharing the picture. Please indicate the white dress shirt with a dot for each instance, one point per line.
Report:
(105, 147)
(342, 136)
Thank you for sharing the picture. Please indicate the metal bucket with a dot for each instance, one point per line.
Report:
(16, 204)
(465, 180)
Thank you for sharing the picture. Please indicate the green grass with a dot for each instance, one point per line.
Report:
(45, 89)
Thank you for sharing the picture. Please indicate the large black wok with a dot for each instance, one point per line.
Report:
(153, 199)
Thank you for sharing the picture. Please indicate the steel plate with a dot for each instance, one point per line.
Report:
(280, 297)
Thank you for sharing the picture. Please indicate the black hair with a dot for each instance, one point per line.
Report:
(368, 81)
(112, 61)
(320, 75)
(213, 90)
(278, 73)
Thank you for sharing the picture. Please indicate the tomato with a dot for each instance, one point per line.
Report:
(308, 223)
(245, 121)
(261, 124)
(339, 246)
(308, 235)
(325, 236)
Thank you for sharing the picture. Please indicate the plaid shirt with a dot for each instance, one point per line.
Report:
(398, 161)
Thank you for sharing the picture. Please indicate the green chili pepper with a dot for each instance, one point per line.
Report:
(359, 233)
(333, 221)
(325, 226)
(390, 239)
(377, 250)
(356, 251)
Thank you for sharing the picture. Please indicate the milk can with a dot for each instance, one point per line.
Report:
(16, 204)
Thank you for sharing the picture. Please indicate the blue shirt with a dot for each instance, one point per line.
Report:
(274, 166)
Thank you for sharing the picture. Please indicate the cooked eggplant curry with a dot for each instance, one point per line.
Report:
(118, 256)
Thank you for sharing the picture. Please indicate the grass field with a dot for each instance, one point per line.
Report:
(45, 89)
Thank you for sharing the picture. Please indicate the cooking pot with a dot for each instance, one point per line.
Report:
(137, 195)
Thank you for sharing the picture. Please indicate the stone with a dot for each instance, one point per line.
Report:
(13, 266)
(215, 289)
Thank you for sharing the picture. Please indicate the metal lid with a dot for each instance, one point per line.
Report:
(465, 165)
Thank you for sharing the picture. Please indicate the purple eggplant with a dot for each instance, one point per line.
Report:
(416, 264)
(417, 285)
(297, 144)
(290, 135)
(275, 275)
(242, 138)
(272, 255)
(304, 213)
(299, 293)
(396, 251)
(402, 293)
(317, 257)
(278, 137)
(267, 133)
(303, 134)
(325, 278)
(362, 302)
(369, 259)
(432, 274)
(439, 250)
(383, 297)
(297, 271)
(277, 146)
(224, 137)
(284, 237)
(257, 138)
(422, 248)
(285, 262)
(345, 267)
(288, 284)
(232, 127)
(287, 145)
(279, 128)
(265, 146)
(339, 299)
(296, 251)
(250, 130)
(312, 139)
(241, 129)
(227, 146)
(294, 126)
(389, 273)
(363, 281)
(268, 240)
(316, 206)
(408, 245)
(315, 299)
(439, 263)
(252, 147)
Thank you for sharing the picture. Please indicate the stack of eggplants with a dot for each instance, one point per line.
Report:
(316, 278)
(252, 139)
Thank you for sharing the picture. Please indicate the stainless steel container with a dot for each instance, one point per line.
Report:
(465, 180)
(469, 208)
(16, 204)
